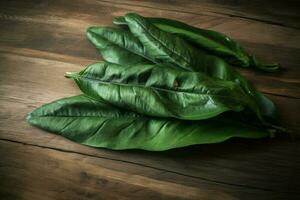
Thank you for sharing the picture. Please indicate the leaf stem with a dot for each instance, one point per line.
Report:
(71, 74)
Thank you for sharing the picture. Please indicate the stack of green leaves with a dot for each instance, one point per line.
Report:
(163, 84)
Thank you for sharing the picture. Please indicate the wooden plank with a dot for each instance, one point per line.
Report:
(278, 12)
(264, 165)
(40, 40)
(29, 172)
(80, 13)
(49, 29)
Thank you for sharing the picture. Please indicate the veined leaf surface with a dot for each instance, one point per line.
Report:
(179, 53)
(211, 41)
(158, 46)
(161, 91)
(168, 49)
(116, 45)
(97, 124)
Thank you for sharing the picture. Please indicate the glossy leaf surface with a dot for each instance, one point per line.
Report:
(95, 123)
(211, 41)
(116, 45)
(191, 59)
(161, 91)
(167, 49)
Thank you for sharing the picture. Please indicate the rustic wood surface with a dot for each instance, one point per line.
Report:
(41, 40)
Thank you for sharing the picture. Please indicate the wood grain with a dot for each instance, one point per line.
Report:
(270, 43)
(41, 40)
(86, 176)
(274, 12)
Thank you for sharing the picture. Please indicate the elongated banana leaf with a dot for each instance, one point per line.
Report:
(214, 42)
(162, 91)
(116, 45)
(97, 124)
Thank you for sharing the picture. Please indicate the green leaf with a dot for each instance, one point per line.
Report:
(123, 46)
(116, 45)
(175, 51)
(97, 124)
(168, 49)
(211, 41)
(162, 91)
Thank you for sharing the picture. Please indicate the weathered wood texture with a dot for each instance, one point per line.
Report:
(41, 40)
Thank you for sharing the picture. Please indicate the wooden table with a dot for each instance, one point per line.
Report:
(41, 40)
